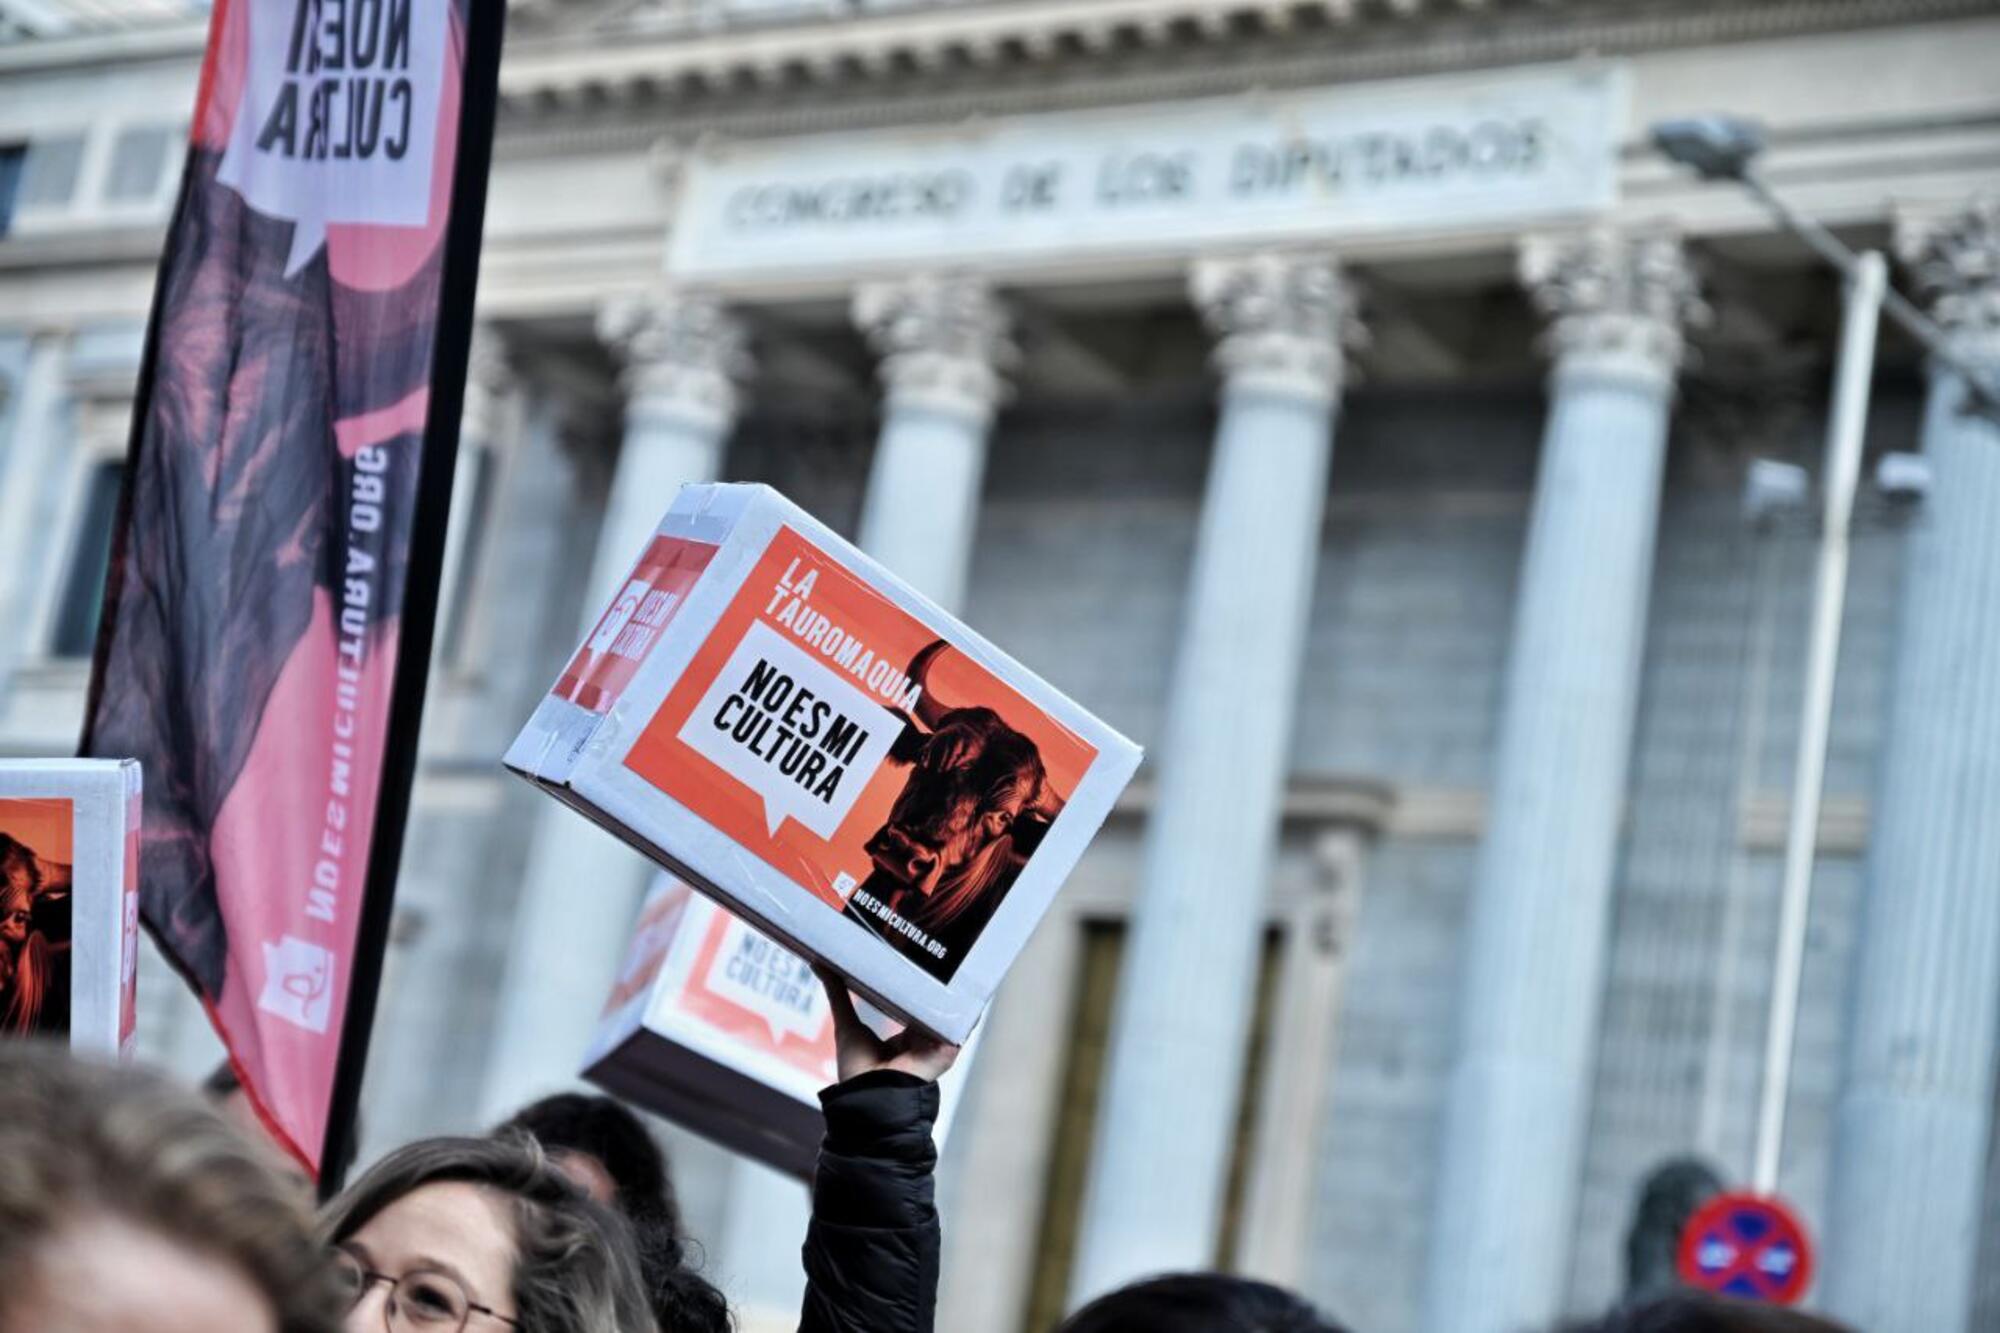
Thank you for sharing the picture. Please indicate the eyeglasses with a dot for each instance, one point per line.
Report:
(420, 1301)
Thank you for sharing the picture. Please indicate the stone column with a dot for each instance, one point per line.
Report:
(489, 379)
(943, 344)
(1534, 943)
(1279, 1190)
(482, 425)
(1914, 1117)
(1182, 1012)
(683, 356)
(944, 350)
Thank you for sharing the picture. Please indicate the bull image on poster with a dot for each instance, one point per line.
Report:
(973, 807)
(841, 739)
(35, 883)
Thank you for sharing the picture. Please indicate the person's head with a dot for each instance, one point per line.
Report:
(1670, 1194)
(482, 1235)
(126, 1206)
(603, 1147)
(1691, 1312)
(225, 1093)
(1199, 1303)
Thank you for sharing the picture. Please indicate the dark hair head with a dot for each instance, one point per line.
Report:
(1199, 1303)
(610, 1133)
(221, 1082)
(1690, 1312)
(80, 1139)
(1670, 1195)
(576, 1269)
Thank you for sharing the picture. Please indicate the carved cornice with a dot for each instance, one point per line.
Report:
(683, 354)
(1953, 257)
(947, 60)
(1283, 322)
(1617, 304)
(943, 340)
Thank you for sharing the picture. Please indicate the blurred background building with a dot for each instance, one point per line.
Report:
(1341, 399)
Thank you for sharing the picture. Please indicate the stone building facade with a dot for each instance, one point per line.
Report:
(1341, 399)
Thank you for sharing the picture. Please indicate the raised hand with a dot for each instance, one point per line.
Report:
(859, 1050)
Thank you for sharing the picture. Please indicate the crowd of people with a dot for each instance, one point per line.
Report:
(131, 1205)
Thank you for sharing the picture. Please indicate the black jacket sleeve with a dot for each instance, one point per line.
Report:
(871, 1253)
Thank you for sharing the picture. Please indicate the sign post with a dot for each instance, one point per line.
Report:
(1846, 428)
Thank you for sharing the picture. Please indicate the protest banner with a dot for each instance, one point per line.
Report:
(727, 1033)
(779, 720)
(69, 901)
(267, 614)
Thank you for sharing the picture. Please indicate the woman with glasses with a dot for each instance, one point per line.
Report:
(481, 1236)
(486, 1235)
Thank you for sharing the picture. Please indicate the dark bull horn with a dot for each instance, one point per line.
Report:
(930, 713)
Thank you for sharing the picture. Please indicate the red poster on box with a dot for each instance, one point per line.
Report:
(727, 1033)
(762, 995)
(833, 734)
(777, 720)
(633, 623)
(69, 910)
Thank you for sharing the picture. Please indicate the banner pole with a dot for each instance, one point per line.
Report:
(459, 280)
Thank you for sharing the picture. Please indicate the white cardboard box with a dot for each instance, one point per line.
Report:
(775, 718)
(69, 900)
(726, 1033)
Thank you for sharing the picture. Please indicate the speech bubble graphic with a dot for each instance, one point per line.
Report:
(792, 729)
(338, 121)
(770, 981)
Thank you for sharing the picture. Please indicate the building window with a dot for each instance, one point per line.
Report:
(138, 160)
(82, 589)
(12, 156)
(49, 173)
(1250, 1106)
(1082, 1091)
(1076, 1122)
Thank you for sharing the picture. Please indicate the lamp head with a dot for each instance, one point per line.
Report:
(1714, 147)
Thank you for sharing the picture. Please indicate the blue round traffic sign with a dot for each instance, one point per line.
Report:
(1748, 1246)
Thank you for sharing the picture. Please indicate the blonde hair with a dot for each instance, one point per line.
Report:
(576, 1265)
(79, 1138)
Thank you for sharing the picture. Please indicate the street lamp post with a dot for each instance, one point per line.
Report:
(1718, 149)
(1723, 148)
